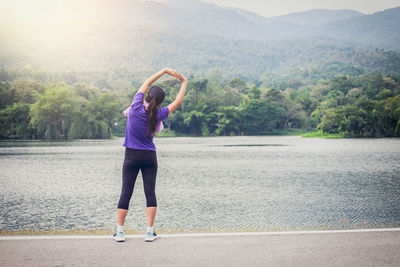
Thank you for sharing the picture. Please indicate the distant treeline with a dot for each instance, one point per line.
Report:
(362, 106)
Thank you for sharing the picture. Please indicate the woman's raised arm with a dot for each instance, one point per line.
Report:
(145, 86)
(178, 100)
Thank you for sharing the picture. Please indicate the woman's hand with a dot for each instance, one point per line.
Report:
(170, 72)
(175, 74)
(180, 77)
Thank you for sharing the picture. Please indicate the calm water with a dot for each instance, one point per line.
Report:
(217, 183)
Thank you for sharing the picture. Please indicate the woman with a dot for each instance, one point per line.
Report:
(144, 119)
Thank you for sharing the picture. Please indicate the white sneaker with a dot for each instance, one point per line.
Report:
(150, 237)
(119, 236)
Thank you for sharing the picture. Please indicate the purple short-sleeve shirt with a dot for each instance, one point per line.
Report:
(136, 125)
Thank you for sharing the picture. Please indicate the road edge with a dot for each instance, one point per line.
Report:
(203, 234)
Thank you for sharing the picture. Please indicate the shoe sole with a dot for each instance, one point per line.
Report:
(119, 239)
(150, 239)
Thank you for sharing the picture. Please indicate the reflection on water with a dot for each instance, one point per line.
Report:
(230, 183)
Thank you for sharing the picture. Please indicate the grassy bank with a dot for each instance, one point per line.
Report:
(292, 132)
(305, 134)
(320, 134)
(170, 133)
(167, 133)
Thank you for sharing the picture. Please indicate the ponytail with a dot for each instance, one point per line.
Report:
(154, 97)
(152, 117)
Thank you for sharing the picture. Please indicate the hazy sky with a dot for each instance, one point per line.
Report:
(269, 8)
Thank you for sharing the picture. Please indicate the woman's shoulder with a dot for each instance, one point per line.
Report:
(162, 113)
(138, 100)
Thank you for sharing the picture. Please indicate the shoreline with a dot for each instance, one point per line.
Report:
(300, 134)
(303, 134)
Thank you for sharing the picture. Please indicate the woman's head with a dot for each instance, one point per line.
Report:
(156, 94)
(154, 97)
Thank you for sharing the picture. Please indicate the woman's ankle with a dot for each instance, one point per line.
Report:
(120, 228)
(149, 229)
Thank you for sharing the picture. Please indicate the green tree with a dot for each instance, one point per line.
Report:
(7, 95)
(333, 121)
(372, 85)
(53, 111)
(239, 85)
(229, 122)
(260, 117)
(14, 122)
(26, 90)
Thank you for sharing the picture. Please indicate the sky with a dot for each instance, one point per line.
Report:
(270, 8)
(266, 8)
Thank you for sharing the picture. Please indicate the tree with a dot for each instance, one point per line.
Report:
(333, 122)
(239, 85)
(197, 122)
(255, 93)
(26, 90)
(372, 84)
(14, 122)
(260, 117)
(388, 116)
(229, 122)
(52, 112)
(343, 84)
(289, 110)
(7, 95)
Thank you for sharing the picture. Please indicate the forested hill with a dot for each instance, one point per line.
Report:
(111, 54)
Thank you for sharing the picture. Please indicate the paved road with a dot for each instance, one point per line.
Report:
(372, 248)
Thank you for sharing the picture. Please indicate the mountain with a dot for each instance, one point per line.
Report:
(213, 19)
(317, 17)
(250, 16)
(381, 29)
(188, 15)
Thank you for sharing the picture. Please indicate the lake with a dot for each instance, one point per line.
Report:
(205, 184)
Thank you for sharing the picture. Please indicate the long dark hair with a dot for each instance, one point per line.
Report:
(154, 97)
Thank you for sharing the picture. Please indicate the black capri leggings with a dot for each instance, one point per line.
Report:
(135, 160)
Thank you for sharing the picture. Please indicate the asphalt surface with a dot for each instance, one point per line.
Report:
(372, 248)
